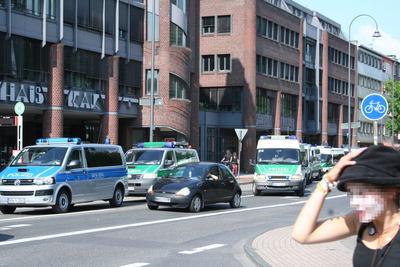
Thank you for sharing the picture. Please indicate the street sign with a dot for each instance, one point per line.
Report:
(241, 133)
(353, 125)
(374, 107)
(146, 101)
(19, 108)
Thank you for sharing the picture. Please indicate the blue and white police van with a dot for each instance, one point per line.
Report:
(60, 172)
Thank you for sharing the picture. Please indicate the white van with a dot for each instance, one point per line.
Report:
(60, 172)
(281, 165)
(329, 157)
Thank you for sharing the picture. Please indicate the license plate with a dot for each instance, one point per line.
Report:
(131, 188)
(16, 200)
(162, 199)
(279, 184)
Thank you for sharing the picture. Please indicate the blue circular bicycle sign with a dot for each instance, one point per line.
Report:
(374, 107)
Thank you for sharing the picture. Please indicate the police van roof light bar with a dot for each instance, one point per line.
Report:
(62, 140)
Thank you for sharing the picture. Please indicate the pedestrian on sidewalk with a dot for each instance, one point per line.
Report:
(227, 159)
(235, 163)
(371, 177)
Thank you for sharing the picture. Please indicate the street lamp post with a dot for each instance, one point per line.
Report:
(152, 71)
(376, 34)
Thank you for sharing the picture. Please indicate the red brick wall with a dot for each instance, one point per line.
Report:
(53, 117)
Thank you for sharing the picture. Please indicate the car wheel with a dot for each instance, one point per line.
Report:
(235, 201)
(152, 207)
(63, 202)
(195, 204)
(301, 191)
(7, 209)
(118, 197)
(256, 192)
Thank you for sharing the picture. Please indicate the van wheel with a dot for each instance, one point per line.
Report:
(63, 202)
(118, 197)
(195, 204)
(256, 192)
(301, 191)
(7, 209)
(235, 201)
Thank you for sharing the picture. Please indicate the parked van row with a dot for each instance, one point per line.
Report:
(283, 163)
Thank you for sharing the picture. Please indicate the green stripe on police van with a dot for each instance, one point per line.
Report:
(277, 169)
(140, 169)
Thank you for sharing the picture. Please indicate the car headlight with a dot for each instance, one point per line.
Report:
(150, 190)
(183, 192)
(150, 175)
(260, 177)
(44, 181)
(297, 176)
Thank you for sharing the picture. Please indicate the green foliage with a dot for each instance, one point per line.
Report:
(389, 85)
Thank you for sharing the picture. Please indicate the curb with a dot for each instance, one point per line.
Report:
(252, 254)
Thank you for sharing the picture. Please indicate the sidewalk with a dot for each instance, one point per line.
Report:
(245, 178)
(276, 248)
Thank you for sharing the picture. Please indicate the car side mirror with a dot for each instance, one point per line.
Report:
(168, 163)
(252, 162)
(73, 164)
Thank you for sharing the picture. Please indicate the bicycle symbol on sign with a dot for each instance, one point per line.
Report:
(374, 106)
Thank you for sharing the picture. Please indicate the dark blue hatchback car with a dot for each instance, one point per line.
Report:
(194, 185)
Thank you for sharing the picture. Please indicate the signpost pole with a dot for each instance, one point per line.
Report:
(239, 152)
(19, 109)
(240, 134)
(375, 133)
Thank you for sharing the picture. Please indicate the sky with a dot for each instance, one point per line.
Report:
(385, 12)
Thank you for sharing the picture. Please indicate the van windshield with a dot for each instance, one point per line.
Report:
(278, 156)
(144, 157)
(326, 158)
(40, 156)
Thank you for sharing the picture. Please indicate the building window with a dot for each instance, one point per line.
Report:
(208, 25)
(208, 63)
(178, 36)
(265, 101)
(181, 4)
(178, 88)
(150, 25)
(221, 98)
(148, 82)
(289, 106)
(224, 24)
(224, 62)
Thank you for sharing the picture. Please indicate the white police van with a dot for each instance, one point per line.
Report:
(60, 172)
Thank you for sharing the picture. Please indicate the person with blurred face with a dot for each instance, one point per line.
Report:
(371, 177)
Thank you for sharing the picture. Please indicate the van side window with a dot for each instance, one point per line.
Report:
(185, 156)
(76, 155)
(102, 156)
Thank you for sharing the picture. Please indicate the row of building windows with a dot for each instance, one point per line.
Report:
(274, 68)
(33, 7)
(370, 60)
(339, 87)
(216, 24)
(369, 83)
(221, 98)
(276, 32)
(368, 128)
(223, 63)
(339, 57)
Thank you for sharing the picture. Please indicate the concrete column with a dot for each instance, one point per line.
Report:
(340, 133)
(277, 121)
(299, 126)
(109, 121)
(53, 116)
(325, 71)
(249, 88)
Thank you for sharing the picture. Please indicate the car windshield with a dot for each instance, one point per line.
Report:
(145, 157)
(187, 172)
(326, 158)
(278, 156)
(40, 156)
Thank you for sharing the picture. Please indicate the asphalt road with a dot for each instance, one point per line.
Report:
(95, 235)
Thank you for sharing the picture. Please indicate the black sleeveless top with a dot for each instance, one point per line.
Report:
(388, 256)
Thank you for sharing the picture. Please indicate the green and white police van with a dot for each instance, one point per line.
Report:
(329, 157)
(151, 160)
(281, 165)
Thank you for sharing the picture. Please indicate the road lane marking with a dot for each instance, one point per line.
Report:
(132, 225)
(248, 196)
(137, 264)
(201, 249)
(9, 227)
